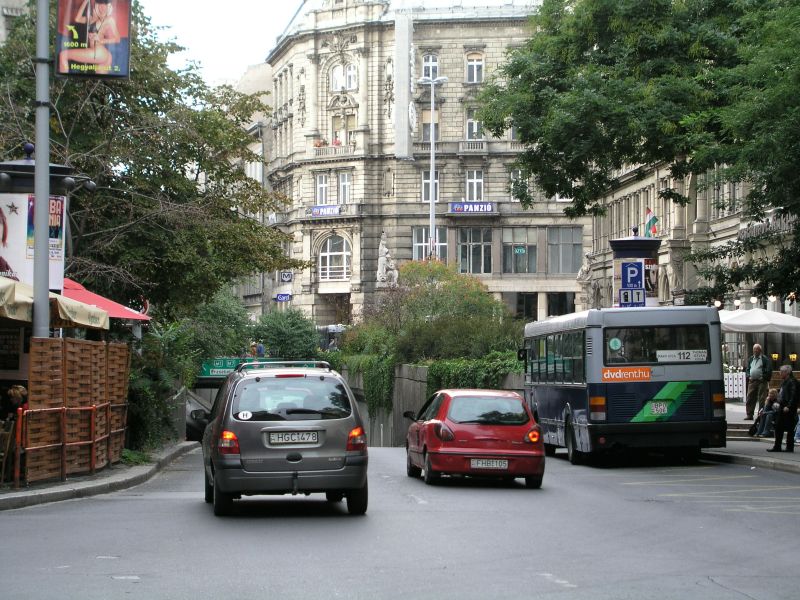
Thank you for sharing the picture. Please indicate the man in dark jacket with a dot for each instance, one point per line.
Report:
(786, 415)
(759, 371)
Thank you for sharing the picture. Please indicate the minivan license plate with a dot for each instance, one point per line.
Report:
(278, 438)
(488, 463)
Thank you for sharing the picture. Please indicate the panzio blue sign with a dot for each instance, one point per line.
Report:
(465, 208)
(283, 297)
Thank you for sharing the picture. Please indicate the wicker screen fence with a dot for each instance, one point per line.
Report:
(77, 409)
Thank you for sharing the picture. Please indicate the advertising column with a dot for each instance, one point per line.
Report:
(635, 271)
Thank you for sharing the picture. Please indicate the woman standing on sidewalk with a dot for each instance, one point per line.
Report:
(786, 414)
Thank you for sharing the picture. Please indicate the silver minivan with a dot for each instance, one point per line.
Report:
(284, 428)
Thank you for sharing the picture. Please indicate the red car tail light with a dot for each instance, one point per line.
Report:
(533, 436)
(228, 443)
(357, 440)
(443, 432)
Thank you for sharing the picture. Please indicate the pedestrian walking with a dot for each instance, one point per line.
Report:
(786, 416)
(759, 372)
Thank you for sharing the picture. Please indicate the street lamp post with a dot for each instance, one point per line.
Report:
(432, 237)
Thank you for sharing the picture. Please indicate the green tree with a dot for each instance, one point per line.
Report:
(167, 153)
(288, 334)
(435, 312)
(221, 326)
(692, 84)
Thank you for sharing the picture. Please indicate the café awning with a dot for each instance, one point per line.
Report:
(16, 303)
(758, 320)
(115, 310)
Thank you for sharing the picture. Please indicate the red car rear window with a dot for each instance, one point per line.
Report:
(487, 410)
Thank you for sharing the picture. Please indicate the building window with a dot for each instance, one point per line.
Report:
(420, 247)
(321, 195)
(474, 185)
(560, 303)
(519, 250)
(343, 127)
(351, 77)
(430, 66)
(474, 126)
(426, 186)
(474, 67)
(337, 78)
(426, 126)
(345, 182)
(475, 250)
(334, 259)
(564, 248)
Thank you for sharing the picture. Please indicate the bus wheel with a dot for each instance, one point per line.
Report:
(549, 450)
(572, 453)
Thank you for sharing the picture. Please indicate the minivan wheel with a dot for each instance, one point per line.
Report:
(411, 469)
(357, 500)
(209, 497)
(223, 503)
(430, 477)
(334, 496)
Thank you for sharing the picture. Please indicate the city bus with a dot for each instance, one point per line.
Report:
(627, 378)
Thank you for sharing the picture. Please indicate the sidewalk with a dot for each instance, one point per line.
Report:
(752, 452)
(111, 479)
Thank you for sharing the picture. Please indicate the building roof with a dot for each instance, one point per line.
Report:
(304, 20)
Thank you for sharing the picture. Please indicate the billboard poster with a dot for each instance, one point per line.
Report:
(93, 38)
(17, 242)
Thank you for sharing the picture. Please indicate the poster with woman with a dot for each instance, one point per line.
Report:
(93, 38)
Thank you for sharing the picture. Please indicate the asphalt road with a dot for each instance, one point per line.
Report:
(621, 530)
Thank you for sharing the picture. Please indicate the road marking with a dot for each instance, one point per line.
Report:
(126, 577)
(417, 499)
(694, 480)
(558, 581)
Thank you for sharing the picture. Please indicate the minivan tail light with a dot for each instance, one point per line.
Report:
(443, 432)
(228, 443)
(357, 440)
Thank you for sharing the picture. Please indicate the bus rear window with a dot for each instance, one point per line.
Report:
(656, 345)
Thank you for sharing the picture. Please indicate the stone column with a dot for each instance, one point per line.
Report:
(313, 94)
(363, 92)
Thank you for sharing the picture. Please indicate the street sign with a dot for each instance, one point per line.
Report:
(283, 297)
(631, 297)
(632, 275)
(286, 276)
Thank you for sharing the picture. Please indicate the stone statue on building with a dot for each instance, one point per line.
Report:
(387, 271)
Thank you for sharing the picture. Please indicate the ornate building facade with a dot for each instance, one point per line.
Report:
(350, 149)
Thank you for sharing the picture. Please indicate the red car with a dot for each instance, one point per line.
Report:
(486, 433)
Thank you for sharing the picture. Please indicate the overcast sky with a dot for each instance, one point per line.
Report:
(224, 37)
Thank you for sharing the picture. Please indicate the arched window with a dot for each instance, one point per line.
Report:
(337, 78)
(334, 259)
(430, 66)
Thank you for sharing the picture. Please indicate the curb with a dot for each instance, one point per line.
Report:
(753, 461)
(129, 477)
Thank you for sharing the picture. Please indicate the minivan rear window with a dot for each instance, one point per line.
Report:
(487, 411)
(291, 399)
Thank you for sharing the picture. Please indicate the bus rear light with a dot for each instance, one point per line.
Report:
(718, 399)
(597, 408)
(228, 443)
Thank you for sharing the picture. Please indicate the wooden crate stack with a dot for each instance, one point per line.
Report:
(74, 376)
